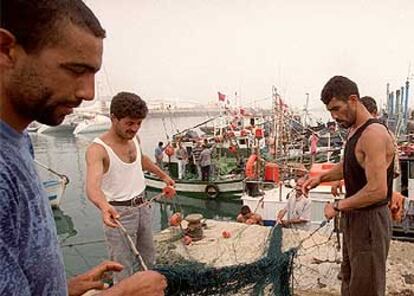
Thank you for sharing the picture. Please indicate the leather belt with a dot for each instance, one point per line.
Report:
(133, 202)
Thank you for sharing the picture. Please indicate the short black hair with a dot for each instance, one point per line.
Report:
(37, 23)
(126, 104)
(160, 144)
(338, 87)
(370, 104)
(245, 210)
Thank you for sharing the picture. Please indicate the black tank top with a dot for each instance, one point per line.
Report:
(354, 174)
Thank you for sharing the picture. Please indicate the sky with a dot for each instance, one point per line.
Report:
(188, 50)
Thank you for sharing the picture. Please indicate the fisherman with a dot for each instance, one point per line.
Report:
(205, 162)
(371, 106)
(159, 154)
(246, 216)
(298, 209)
(49, 54)
(115, 183)
(196, 156)
(368, 171)
(182, 156)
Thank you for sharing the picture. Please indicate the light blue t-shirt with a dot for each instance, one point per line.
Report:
(30, 258)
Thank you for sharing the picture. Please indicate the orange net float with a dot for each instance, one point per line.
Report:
(169, 151)
(232, 149)
(244, 132)
(259, 133)
(175, 219)
(230, 134)
(187, 240)
(226, 234)
(169, 192)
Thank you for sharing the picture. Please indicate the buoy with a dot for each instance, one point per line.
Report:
(187, 240)
(259, 133)
(169, 151)
(169, 192)
(175, 219)
(232, 149)
(226, 234)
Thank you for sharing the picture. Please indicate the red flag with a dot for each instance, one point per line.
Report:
(222, 97)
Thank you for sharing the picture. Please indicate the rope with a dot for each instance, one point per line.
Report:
(132, 245)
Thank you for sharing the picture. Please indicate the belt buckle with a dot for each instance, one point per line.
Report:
(136, 201)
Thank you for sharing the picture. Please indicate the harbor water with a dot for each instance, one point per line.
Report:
(78, 221)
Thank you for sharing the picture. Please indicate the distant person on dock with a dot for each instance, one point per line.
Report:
(246, 216)
(297, 210)
(196, 156)
(115, 182)
(159, 154)
(367, 168)
(205, 162)
(182, 156)
(49, 54)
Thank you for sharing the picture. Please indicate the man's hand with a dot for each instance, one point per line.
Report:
(148, 283)
(109, 215)
(92, 279)
(167, 179)
(310, 183)
(329, 211)
(336, 188)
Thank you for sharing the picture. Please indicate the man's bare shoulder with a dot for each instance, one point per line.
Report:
(377, 132)
(95, 151)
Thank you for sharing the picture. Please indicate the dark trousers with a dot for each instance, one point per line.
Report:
(205, 173)
(366, 241)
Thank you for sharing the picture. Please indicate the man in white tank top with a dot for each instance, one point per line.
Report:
(115, 183)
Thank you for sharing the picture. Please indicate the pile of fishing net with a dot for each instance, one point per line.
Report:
(271, 272)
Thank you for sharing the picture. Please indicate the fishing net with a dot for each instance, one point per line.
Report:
(271, 272)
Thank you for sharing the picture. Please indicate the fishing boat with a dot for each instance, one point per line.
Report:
(93, 124)
(54, 190)
(272, 195)
(66, 127)
(230, 188)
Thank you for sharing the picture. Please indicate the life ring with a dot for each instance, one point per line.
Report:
(212, 191)
(250, 167)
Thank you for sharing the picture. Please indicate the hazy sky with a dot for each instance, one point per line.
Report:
(190, 49)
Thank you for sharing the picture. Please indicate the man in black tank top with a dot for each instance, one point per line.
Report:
(367, 169)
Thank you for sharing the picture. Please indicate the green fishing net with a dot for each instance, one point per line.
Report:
(271, 272)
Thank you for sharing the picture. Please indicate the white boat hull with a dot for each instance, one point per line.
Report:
(97, 124)
(274, 200)
(229, 187)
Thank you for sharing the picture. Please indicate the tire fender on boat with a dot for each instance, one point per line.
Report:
(212, 191)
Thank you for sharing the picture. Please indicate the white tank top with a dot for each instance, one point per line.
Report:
(122, 181)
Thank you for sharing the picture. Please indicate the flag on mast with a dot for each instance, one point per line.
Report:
(222, 97)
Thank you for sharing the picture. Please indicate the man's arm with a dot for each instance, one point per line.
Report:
(374, 142)
(94, 172)
(141, 283)
(13, 281)
(148, 165)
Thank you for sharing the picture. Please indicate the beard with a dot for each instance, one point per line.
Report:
(344, 124)
(32, 99)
